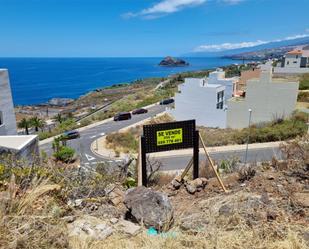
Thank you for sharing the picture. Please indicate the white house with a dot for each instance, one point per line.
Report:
(268, 99)
(7, 114)
(218, 77)
(199, 100)
(294, 62)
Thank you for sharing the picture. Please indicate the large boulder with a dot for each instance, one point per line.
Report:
(149, 207)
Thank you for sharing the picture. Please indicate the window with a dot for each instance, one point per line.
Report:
(220, 105)
(220, 99)
(287, 62)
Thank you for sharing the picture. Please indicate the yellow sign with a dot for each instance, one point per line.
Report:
(173, 136)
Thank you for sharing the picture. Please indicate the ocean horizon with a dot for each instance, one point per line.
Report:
(37, 80)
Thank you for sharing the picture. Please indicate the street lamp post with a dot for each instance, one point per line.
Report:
(248, 138)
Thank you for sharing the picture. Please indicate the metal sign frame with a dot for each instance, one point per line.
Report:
(166, 137)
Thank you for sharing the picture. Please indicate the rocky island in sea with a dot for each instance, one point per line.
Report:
(173, 62)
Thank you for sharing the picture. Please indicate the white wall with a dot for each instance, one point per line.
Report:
(292, 61)
(290, 70)
(198, 102)
(268, 100)
(6, 106)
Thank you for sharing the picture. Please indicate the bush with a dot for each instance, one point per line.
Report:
(303, 97)
(272, 132)
(304, 82)
(65, 154)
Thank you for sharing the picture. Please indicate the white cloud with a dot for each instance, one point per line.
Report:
(164, 7)
(228, 46)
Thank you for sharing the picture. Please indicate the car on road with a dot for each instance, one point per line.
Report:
(139, 111)
(166, 101)
(71, 134)
(122, 116)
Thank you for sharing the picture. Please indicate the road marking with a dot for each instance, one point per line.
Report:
(102, 134)
(118, 161)
(93, 136)
(89, 158)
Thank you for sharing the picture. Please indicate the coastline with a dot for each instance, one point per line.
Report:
(36, 80)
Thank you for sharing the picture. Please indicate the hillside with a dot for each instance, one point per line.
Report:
(260, 52)
(57, 207)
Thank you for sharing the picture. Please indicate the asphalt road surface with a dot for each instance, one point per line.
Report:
(87, 137)
(88, 159)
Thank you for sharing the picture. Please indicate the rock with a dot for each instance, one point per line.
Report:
(69, 219)
(128, 227)
(76, 203)
(177, 182)
(113, 220)
(115, 196)
(89, 227)
(173, 62)
(302, 199)
(191, 188)
(149, 207)
(194, 223)
(196, 185)
(225, 210)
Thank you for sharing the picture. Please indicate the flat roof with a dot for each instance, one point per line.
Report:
(16, 142)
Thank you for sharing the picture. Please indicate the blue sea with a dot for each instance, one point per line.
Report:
(36, 80)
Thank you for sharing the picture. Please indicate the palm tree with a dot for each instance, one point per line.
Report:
(58, 118)
(37, 123)
(24, 124)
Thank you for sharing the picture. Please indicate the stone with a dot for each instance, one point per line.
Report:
(69, 219)
(194, 223)
(89, 227)
(225, 210)
(148, 207)
(177, 182)
(196, 185)
(302, 199)
(115, 196)
(128, 227)
(113, 220)
(191, 188)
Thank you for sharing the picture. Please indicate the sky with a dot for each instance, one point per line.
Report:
(144, 28)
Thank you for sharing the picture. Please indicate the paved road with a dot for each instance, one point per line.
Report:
(254, 155)
(87, 137)
(88, 159)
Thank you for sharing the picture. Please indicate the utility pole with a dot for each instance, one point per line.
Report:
(248, 138)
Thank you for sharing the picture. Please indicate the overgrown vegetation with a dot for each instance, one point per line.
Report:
(265, 211)
(303, 96)
(278, 130)
(304, 82)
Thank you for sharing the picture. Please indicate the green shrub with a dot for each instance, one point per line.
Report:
(64, 154)
(304, 82)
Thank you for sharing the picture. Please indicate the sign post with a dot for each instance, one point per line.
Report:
(169, 136)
